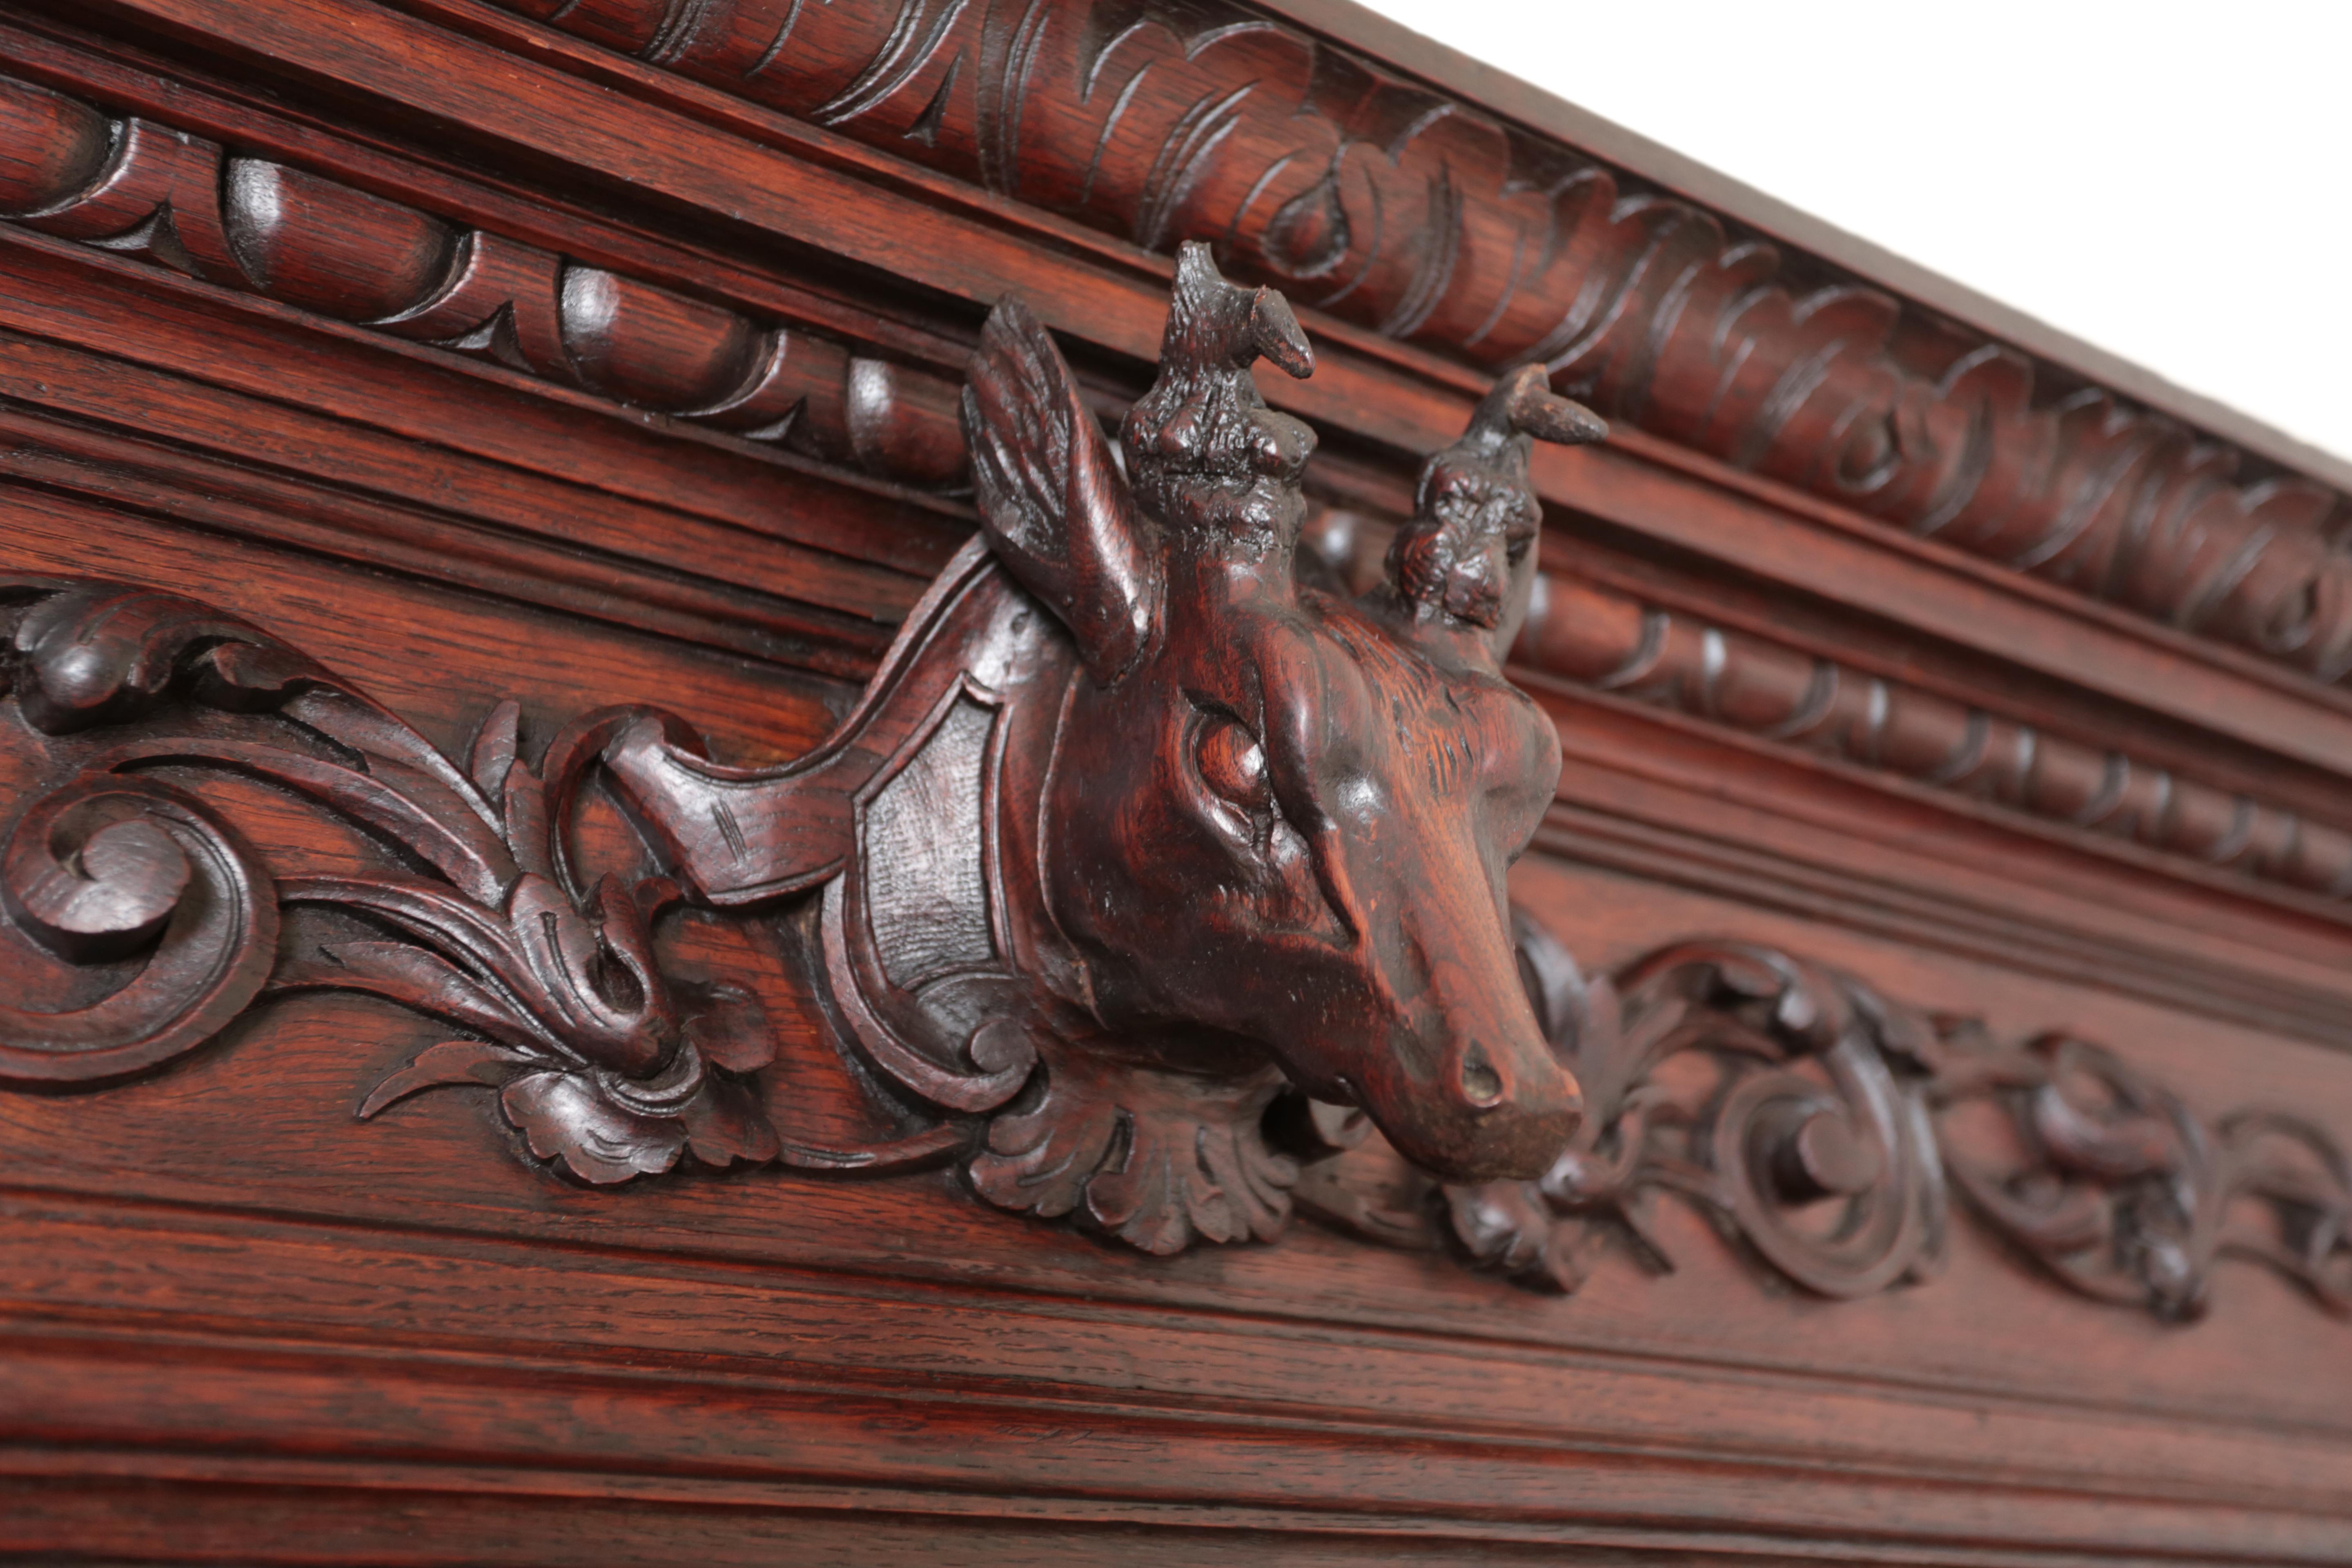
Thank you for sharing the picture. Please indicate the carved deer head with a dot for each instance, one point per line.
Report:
(1277, 822)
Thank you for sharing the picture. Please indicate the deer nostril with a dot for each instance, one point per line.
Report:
(1481, 1084)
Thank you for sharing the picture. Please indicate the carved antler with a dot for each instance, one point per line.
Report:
(1468, 554)
(1205, 454)
(1213, 466)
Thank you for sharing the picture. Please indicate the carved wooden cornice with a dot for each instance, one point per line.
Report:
(1136, 858)
(1602, 638)
(778, 211)
(133, 187)
(1428, 220)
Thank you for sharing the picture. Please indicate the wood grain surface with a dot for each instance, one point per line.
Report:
(447, 448)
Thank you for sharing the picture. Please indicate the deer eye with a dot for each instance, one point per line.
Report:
(1233, 763)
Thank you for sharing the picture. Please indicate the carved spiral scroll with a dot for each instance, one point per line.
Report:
(103, 869)
(1783, 1142)
(604, 1063)
(1828, 1127)
(1828, 1140)
(1806, 1144)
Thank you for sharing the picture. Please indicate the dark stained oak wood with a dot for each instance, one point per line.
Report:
(1366, 383)
(710, 850)
(1203, 827)
(1428, 221)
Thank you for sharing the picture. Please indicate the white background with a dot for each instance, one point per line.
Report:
(2167, 182)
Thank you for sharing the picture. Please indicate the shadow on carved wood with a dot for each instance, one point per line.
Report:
(1137, 865)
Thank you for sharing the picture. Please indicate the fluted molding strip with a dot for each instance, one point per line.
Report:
(1613, 642)
(137, 188)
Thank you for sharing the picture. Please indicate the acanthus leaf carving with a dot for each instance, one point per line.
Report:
(1156, 1158)
(607, 1066)
(1800, 1129)
(1828, 1132)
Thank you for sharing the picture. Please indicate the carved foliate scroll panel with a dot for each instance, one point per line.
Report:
(1832, 1130)
(546, 979)
(1151, 877)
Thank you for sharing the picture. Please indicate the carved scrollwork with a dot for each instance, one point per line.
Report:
(108, 866)
(1775, 1094)
(1828, 1127)
(605, 1065)
(2117, 1188)
(103, 868)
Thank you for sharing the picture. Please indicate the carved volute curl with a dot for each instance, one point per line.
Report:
(1801, 1131)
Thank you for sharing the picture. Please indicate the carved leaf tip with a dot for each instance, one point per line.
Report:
(473, 1062)
(495, 748)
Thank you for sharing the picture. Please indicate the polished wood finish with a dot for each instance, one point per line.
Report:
(605, 765)
(1431, 223)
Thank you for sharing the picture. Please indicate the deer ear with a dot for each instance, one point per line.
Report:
(1051, 500)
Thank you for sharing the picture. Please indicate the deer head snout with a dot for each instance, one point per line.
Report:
(1476, 1098)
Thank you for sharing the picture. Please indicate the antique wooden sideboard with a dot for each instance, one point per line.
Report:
(1066, 781)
